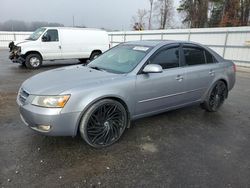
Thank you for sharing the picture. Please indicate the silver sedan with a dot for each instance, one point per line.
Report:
(130, 81)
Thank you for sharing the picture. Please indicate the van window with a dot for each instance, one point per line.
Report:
(51, 35)
(194, 56)
(167, 58)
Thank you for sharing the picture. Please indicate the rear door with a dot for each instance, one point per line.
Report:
(50, 45)
(199, 68)
(159, 91)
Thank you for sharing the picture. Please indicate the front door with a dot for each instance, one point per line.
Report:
(159, 91)
(50, 45)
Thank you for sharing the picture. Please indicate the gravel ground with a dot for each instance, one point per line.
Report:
(182, 148)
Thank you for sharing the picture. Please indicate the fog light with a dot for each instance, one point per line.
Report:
(44, 127)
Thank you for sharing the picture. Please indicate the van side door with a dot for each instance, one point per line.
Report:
(50, 45)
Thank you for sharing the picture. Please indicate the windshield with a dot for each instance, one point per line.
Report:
(121, 59)
(36, 34)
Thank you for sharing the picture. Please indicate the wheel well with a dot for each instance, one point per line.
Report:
(113, 98)
(225, 82)
(33, 52)
(99, 51)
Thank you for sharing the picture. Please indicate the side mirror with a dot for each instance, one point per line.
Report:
(44, 39)
(152, 68)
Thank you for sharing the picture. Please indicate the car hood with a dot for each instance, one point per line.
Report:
(55, 82)
(17, 43)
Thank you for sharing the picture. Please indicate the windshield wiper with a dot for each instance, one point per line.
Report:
(96, 68)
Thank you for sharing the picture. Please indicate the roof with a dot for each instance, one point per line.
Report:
(151, 43)
(75, 28)
(154, 43)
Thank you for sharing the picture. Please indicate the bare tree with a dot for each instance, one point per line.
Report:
(139, 20)
(150, 14)
(165, 12)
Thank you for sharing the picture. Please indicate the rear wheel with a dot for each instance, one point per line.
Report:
(94, 55)
(216, 97)
(33, 61)
(104, 123)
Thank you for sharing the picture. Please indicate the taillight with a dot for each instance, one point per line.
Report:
(234, 67)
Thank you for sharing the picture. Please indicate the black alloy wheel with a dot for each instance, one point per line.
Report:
(104, 123)
(217, 97)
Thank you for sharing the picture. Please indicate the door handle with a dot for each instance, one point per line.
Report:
(60, 47)
(211, 72)
(179, 78)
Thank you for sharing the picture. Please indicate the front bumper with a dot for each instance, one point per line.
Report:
(16, 58)
(61, 124)
(15, 54)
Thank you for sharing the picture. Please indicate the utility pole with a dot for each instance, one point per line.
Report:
(150, 14)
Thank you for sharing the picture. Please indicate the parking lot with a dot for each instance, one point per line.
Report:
(182, 148)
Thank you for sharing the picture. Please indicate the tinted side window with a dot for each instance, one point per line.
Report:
(52, 35)
(194, 56)
(209, 57)
(168, 58)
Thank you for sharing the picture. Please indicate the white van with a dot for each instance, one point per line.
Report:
(54, 43)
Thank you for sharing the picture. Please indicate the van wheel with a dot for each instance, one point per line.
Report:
(103, 123)
(94, 55)
(216, 97)
(33, 61)
(83, 60)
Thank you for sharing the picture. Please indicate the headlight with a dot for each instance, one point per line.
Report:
(51, 101)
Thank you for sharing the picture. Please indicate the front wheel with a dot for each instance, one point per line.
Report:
(216, 97)
(33, 61)
(104, 123)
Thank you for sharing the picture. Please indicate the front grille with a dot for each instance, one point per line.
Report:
(23, 95)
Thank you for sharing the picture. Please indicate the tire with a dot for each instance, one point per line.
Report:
(33, 61)
(94, 55)
(216, 97)
(23, 65)
(83, 60)
(103, 123)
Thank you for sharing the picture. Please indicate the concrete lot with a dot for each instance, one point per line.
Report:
(183, 148)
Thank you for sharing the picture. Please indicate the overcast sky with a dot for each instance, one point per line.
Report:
(110, 14)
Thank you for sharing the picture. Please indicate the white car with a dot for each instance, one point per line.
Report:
(54, 43)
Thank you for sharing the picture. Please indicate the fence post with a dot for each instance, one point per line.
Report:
(111, 41)
(124, 37)
(225, 45)
(189, 35)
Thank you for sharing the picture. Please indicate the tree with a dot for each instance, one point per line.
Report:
(165, 12)
(216, 13)
(139, 20)
(15, 25)
(244, 12)
(195, 12)
(230, 13)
